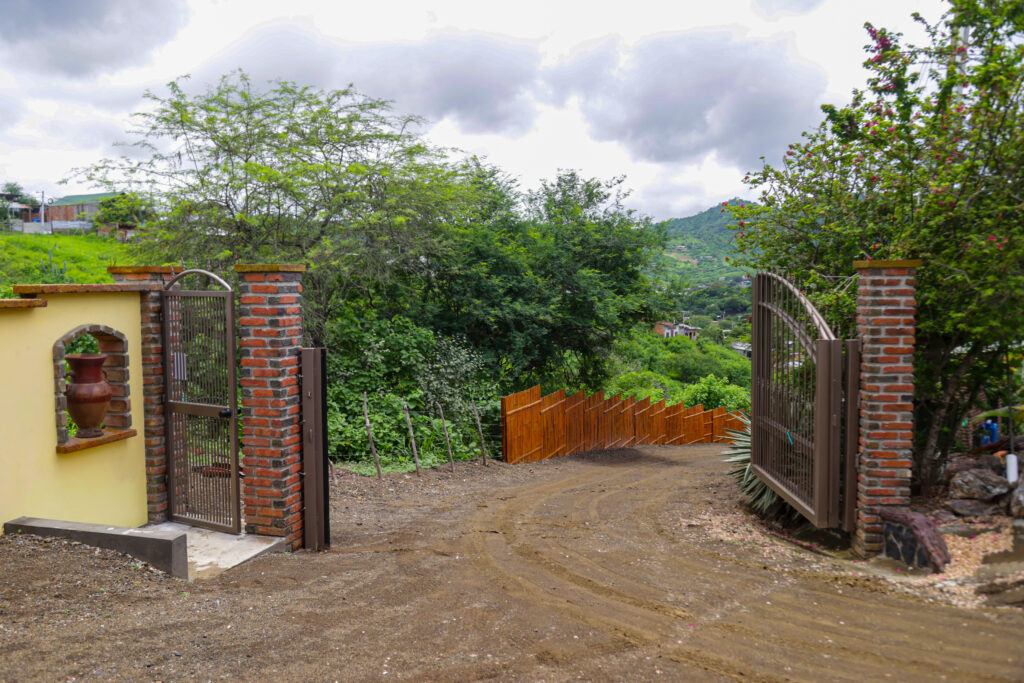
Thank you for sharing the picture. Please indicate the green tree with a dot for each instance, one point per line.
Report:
(545, 283)
(925, 162)
(127, 209)
(287, 173)
(15, 192)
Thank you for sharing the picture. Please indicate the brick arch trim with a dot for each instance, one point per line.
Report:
(115, 345)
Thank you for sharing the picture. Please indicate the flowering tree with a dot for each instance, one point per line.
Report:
(926, 162)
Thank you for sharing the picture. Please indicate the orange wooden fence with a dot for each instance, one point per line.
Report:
(535, 427)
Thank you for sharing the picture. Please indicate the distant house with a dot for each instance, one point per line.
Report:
(77, 207)
(742, 347)
(22, 211)
(668, 330)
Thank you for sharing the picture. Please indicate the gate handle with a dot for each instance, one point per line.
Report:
(225, 413)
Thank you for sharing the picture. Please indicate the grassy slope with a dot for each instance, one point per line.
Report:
(707, 239)
(26, 258)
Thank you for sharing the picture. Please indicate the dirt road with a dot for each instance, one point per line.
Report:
(597, 567)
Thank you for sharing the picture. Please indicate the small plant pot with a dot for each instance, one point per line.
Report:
(88, 393)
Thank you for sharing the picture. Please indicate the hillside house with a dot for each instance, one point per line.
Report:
(667, 330)
(77, 207)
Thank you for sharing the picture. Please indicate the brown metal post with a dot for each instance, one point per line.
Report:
(852, 444)
(315, 489)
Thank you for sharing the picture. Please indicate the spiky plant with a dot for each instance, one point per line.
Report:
(758, 496)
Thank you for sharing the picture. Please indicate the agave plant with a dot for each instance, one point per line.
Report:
(756, 494)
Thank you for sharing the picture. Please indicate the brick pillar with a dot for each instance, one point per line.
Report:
(152, 380)
(270, 329)
(886, 307)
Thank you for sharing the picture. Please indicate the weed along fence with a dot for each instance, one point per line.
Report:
(535, 427)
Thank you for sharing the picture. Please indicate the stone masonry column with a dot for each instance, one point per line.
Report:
(886, 309)
(152, 379)
(270, 330)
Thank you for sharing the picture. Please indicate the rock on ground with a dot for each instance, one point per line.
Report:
(978, 484)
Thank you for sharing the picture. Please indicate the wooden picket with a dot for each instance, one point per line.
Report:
(536, 427)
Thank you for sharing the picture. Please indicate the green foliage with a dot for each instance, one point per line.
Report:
(544, 283)
(128, 209)
(83, 343)
(34, 258)
(715, 392)
(537, 283)
(646, 384)
(679, 359)
(761, 499)
(396, 361)
(18, 194)
(923, 163)
(50, 271)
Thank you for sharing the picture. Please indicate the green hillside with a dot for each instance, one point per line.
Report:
(698, 245)
(57, 258)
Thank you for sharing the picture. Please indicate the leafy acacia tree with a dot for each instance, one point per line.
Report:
(926, 162)
(287, 172)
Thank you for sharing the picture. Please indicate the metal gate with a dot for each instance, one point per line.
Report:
(200, 404)
(804, 422)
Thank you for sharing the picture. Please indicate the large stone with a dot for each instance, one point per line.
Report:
(978, 484)
(971, 508)
(1017, 500)
(962, 463)
(913, 538)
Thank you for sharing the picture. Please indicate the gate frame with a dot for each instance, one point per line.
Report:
(830, 417)
(174, 407)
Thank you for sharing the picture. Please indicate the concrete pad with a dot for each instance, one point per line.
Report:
(165, 549)
(212, 552)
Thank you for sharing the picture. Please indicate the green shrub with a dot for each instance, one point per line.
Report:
(715, 392)
(645, 384)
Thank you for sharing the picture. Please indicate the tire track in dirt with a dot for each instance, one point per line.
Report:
(889, 635)
(801, 637)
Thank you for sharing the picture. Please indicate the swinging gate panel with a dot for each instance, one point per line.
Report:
(200, 405)
(803, 403)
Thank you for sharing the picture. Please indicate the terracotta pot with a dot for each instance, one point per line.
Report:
(88, 393)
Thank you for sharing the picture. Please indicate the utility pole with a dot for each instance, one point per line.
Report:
(42, 208)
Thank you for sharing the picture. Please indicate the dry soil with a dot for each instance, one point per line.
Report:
(622, 565)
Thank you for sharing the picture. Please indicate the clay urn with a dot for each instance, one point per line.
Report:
(88, 393)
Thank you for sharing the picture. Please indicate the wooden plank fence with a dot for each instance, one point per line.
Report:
(535, 427)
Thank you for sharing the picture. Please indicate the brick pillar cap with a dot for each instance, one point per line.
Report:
(898, 263)
(270, 268)
(144, 269)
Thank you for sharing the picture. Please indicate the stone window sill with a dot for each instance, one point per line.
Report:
(75, 444)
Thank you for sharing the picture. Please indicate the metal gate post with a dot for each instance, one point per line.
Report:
(315, 484)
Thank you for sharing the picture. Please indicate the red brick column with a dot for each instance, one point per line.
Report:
(886, 307)
(152, 380)
(270, 329)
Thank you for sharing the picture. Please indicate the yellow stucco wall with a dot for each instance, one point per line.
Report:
(104, 484)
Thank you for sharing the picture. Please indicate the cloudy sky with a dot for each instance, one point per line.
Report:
(682, 97)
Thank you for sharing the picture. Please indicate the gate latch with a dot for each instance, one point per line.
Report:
(225, 413)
